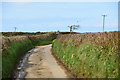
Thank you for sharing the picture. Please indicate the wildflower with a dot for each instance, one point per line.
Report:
(72, 56)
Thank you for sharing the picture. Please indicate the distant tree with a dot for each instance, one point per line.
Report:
(73, 27)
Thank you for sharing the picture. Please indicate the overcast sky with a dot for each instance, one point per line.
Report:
(53, 16)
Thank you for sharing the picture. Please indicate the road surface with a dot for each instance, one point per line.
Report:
(44, 65)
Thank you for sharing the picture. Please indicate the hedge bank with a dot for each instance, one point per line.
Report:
(90, 55)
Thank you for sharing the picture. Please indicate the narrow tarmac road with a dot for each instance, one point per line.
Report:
(44, 65)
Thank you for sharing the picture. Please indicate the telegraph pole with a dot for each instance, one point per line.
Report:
(15, 28)
(104, 21)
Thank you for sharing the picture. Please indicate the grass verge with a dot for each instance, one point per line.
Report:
(14, 53)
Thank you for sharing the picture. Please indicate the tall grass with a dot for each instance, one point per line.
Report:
(88, 60)
(14, 53)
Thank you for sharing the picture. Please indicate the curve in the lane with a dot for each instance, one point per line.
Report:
(44, 64)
